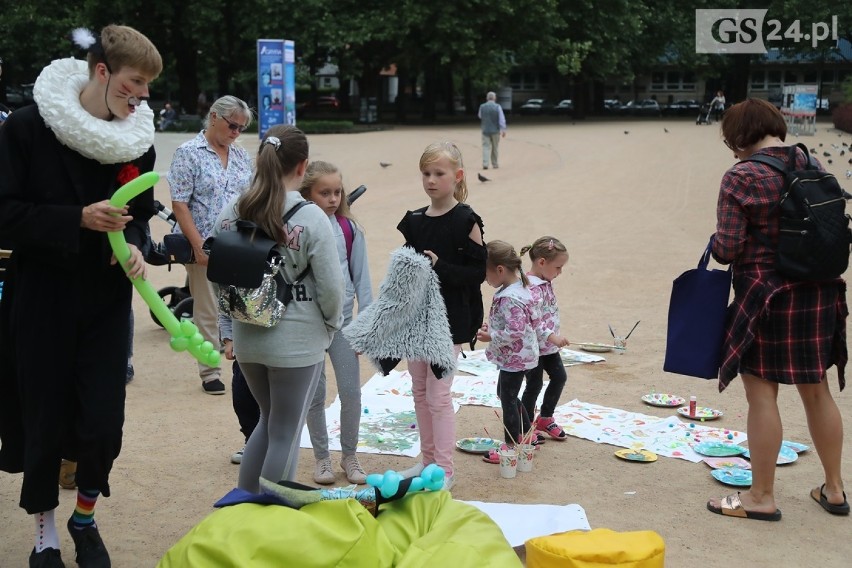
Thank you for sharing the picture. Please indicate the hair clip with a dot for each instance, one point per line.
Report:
(273, 140)
(550, 245)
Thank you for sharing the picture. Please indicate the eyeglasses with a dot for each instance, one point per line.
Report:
(234, 126)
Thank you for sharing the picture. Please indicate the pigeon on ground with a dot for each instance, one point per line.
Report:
(848, 174)
(826, 154)
(813, 151)
(384, 164)
(843, 152)
(666, 130)
(627, 132)
(850, 160)
(481, 177)
(829, 161)
(820, 144)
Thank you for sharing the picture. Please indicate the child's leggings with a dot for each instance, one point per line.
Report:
(515, 418)
(347, 373)
(555, 369)
(436, 419)
(283, 395)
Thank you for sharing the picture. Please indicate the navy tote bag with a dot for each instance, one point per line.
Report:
(696, 324)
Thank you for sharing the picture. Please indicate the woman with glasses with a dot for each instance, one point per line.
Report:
(206, 173)
(779, 331)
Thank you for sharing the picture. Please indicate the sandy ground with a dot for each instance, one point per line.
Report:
(635, 206)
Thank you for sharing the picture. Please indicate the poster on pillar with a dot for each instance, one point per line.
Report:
(276, 83)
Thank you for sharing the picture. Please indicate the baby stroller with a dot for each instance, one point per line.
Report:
(704, 114)
(178, 298)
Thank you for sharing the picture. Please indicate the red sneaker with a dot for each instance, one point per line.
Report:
(551, 428)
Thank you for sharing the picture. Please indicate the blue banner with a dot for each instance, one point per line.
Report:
(276, 89)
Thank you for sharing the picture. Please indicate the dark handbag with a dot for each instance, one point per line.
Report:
(178, 249)
(696, 324)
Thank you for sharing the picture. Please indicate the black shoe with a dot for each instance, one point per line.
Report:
(213, 387)
(91, 552)
(47, 558)
(130, 374)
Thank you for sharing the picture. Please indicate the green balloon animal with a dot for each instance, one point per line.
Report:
(185, 334)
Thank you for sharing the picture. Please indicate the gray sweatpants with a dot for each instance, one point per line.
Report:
(272, 450)
(348, 375)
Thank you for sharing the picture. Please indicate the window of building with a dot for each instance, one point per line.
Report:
(790, 78)
(773, 79)
(810, 77)
(672, 81)
(529, 80)
(758, 80)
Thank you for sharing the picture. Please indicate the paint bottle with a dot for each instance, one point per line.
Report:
(692, 404)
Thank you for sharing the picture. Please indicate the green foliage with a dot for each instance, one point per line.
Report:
(846, 88)
(326, 126)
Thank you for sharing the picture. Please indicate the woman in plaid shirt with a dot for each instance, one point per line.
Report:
(779, 331)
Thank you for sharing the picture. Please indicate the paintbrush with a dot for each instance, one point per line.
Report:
(528, 438)
(631, 331)
(504, 428)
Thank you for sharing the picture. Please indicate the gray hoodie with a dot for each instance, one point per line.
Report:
(315, 314)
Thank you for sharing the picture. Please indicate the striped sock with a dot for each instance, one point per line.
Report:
(84, 511)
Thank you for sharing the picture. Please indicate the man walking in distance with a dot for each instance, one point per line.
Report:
(493, 128)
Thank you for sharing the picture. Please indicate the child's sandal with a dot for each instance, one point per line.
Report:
(551, 428)
(493, 456)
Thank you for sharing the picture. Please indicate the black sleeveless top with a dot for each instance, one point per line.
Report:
(461, 263)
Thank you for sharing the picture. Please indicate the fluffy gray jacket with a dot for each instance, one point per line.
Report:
(408, 319)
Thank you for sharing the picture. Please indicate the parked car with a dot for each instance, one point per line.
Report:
(645, 107)
(534, 106)
(565, 106)
(612, 106)
(682, 108)
(325, 103)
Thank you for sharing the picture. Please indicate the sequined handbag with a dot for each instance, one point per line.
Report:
(248, 270)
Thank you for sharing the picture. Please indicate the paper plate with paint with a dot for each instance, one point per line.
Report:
(701, 413)
(722, 463)
(733, 476)
(785, 456)
(594, 347)
(478, 445)
(718, 449)
(662, 399)
(795, 446)
(636, 455)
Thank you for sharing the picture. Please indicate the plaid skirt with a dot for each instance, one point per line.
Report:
(783, 331)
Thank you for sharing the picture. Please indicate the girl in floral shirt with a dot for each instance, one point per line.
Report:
(510, 329)
(548, 257)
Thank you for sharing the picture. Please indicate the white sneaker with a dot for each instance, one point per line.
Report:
(449, 481)
(323, 473)
(354, 472)
(237, 457)
(413, 471)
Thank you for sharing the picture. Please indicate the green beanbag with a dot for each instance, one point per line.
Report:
(424, 529)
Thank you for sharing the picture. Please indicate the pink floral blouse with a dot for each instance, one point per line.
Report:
(514, 345)
(546, 315)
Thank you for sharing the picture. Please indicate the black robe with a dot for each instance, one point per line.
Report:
(64, 311)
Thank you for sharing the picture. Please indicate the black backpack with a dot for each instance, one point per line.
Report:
(813, 226)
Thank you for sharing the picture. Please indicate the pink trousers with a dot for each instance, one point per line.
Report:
(436, 419)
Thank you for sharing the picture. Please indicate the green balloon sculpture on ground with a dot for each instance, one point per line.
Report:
(185, 334)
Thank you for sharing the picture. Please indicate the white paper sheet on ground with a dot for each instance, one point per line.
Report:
(482, 390)
(475, 363)
(388, 426)
(520, 523)
(669, 437)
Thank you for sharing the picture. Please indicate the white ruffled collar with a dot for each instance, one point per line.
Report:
(57, 94)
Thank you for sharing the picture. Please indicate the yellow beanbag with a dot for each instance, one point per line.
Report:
(599, 548)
